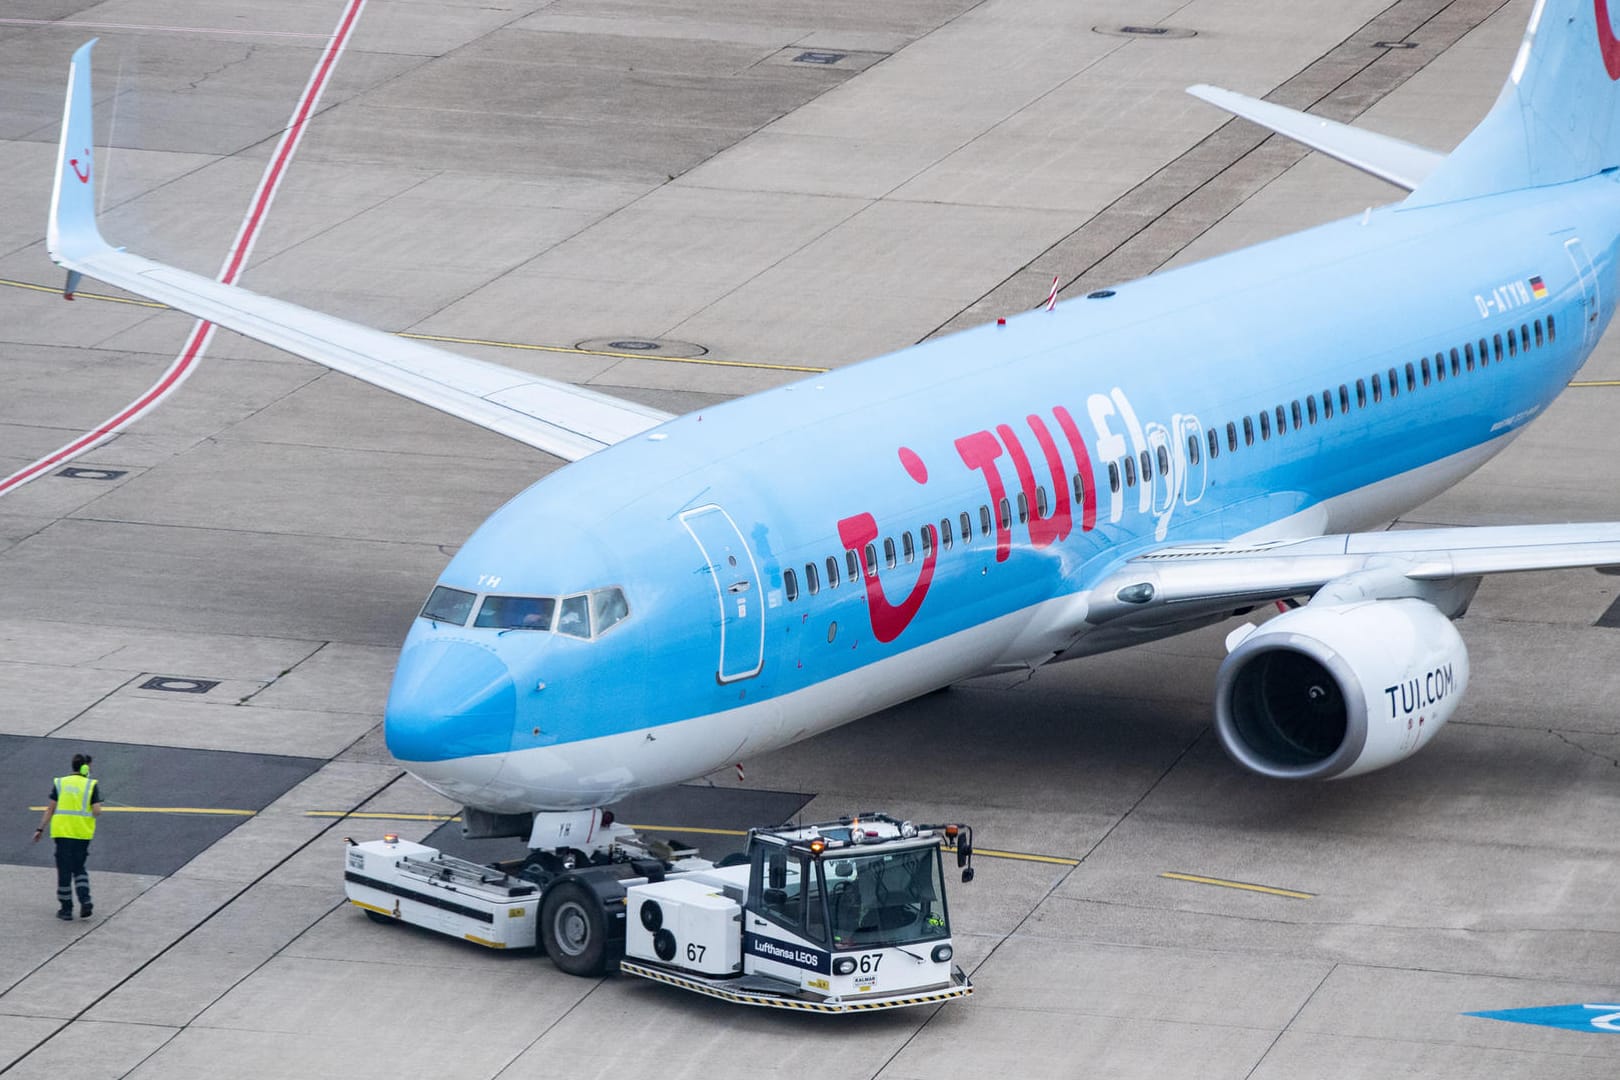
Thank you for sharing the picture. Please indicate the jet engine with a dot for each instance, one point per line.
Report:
(1334, 690)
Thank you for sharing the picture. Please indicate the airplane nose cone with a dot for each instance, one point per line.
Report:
(450, 699)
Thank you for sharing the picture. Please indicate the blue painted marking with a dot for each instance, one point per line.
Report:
(1597, 1018)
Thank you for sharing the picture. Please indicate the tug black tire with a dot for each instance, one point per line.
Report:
(573, 929)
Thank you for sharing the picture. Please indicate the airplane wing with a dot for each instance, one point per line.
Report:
(1184, 583)
(1400, 163)
(553, 416)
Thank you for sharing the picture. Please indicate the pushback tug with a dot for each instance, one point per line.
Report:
(841, 916)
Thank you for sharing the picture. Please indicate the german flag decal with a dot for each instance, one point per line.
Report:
(1539, 288)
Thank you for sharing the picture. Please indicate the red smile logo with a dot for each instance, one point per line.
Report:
(1606, 39)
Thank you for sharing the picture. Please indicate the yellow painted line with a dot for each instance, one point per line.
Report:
(689, 829)
(1596, 382)
(526, 346)
(373, 816)
(1244, 885)
(1022, 856)
(206, 810)
(82, 295)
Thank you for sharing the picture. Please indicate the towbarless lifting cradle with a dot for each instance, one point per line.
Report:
(835, 917)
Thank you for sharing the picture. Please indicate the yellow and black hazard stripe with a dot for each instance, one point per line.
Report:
(771, 1001)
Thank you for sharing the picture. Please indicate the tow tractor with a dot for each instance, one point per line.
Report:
(840, 916)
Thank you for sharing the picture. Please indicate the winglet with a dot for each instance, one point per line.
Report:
(1400, 163)
(71, 233)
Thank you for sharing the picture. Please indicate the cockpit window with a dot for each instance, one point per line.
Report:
(608, 606)
(448, 605)
(575, 619)
(516, 613)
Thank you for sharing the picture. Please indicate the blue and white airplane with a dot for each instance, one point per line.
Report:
(1130, 465)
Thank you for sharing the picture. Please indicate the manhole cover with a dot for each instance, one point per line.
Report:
(1158, 32)
(637, 346)
(179, 686)
(76, 473)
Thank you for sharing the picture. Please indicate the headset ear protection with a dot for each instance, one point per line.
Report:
(84, 770)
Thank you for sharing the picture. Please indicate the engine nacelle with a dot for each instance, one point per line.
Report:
(1339, 689)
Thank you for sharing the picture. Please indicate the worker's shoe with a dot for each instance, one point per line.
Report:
(65, 914)
(85, 912)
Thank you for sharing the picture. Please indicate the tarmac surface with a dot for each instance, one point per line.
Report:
(211, 605)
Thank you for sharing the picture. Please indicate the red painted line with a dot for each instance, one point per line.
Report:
(147, 26)
(183, 364)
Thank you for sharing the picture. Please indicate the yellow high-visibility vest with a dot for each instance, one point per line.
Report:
(73, 818)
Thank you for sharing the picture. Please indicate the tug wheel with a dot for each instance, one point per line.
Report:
(573, 929)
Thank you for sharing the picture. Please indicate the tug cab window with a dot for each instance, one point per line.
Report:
(516, 613)
(448, 605)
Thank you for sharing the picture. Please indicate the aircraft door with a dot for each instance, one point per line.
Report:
(737, 586)
(1590, 301)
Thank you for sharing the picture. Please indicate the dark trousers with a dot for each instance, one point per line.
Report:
(70, 856)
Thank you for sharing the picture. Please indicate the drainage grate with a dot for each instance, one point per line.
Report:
(1100, 294)
(175, 685)
(75, 473)
(819, 57)
(635, 346)
(1394, 44)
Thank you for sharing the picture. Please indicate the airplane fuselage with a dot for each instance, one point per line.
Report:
(802, 557)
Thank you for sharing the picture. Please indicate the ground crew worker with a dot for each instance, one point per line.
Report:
(71, 818)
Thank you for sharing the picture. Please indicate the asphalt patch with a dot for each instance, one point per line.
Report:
(687, 806)
(139, 843)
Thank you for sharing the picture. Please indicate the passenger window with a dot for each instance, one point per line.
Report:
(575, 620)
(1496, 339)
(1411, 376)
(1265, 426)
(790, 581)
(1248, 431)
(871, 560)
(945, 537)
(1147, 467)
(1425, 366)
(852, 565)
(967, 527)
(1113, 476)
(984, 520)
(1344, 398)
(812, 580)
(889, 558)
(1004, 514)
(1299, 421)
(1538, 333)
(1163, 455)
(1361, 393)
(608, 606)
(448, 605)
(1512, 344)
(1468, 355)
(1130, 472)
(906, 546)
(1327, 404)
(1214, 444)
(1456, 366)
(515, 612)
(1394, 383)
(1231, 436)
(1079, 490)
(1310, 409)
(1524, 337)
(1192, 450)
(1023, 508)
(832, 572)
(1378, 390)
(1552, 333)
